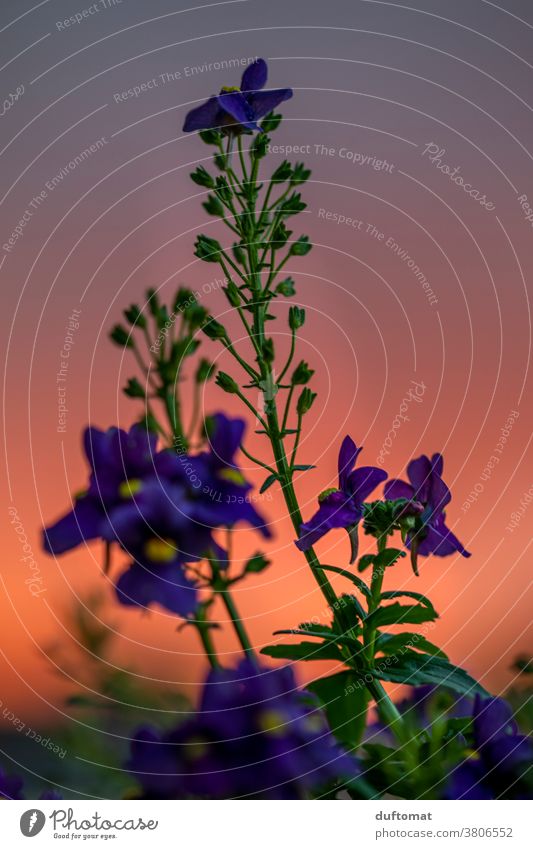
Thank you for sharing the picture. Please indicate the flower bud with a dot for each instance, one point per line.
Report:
(210, 136)
(133, 389)
(203, 178)
(134, 315)
(271, 122)
(300, 174)
(153, 301)
(282, 172)
(300, 247)
(213, 329)
(120, 336)
(231, 292)
(207, 249)
(213, 206)
(302, 374)
(239, 254)
(204, 372)
(286, 288)
(226, 383)
(296, 318)
(305, 401)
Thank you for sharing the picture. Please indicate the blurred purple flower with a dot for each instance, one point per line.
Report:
(160, 507)
(501, 766)
(237, 109)
(10, 786)
(226, 496)
(120, 462)
(254, 736)
(342, 507)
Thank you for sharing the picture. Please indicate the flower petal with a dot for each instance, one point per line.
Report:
(398, 489)
(492, 718)
(83, 523)
(336, 511)
(255, 76)
(208, 116)
(236, 105)
(166, 586)
(347, 457)
(225, 435)
(418, 472)
(439, 540)
(263, 102)
(363, 481)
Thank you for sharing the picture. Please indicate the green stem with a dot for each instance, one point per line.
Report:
(208, 645)
(220, 586)
(378, 573)
(237, 623)
(387, 710)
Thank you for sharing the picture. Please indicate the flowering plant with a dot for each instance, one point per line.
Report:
(165, 496)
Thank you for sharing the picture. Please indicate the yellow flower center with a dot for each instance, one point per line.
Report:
(272, 722)
(326, 493)
(161, 550)
(233, 476)
(129, 488)
(230, 88)
(314, 723)
(195, 748)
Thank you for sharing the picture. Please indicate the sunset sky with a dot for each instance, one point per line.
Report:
(384, 96)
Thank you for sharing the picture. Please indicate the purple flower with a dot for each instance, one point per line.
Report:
(424, 706)
(501, 765)
(254, 736)
(342, 507)
(119, 463)
(238, 109)
(225, 494)
(160, 508)
(10, 786)
(429, 534)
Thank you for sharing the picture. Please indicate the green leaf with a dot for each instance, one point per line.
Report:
(397, 614)
(345, 704)
(392, 643)
(268, 483)
(307, 629)
(300, 468)
(406, 594)
(323, 632)
(257, 563)
(388, 557)
(304, 651)
(359, 583)
(365, 561)
(414, 669)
